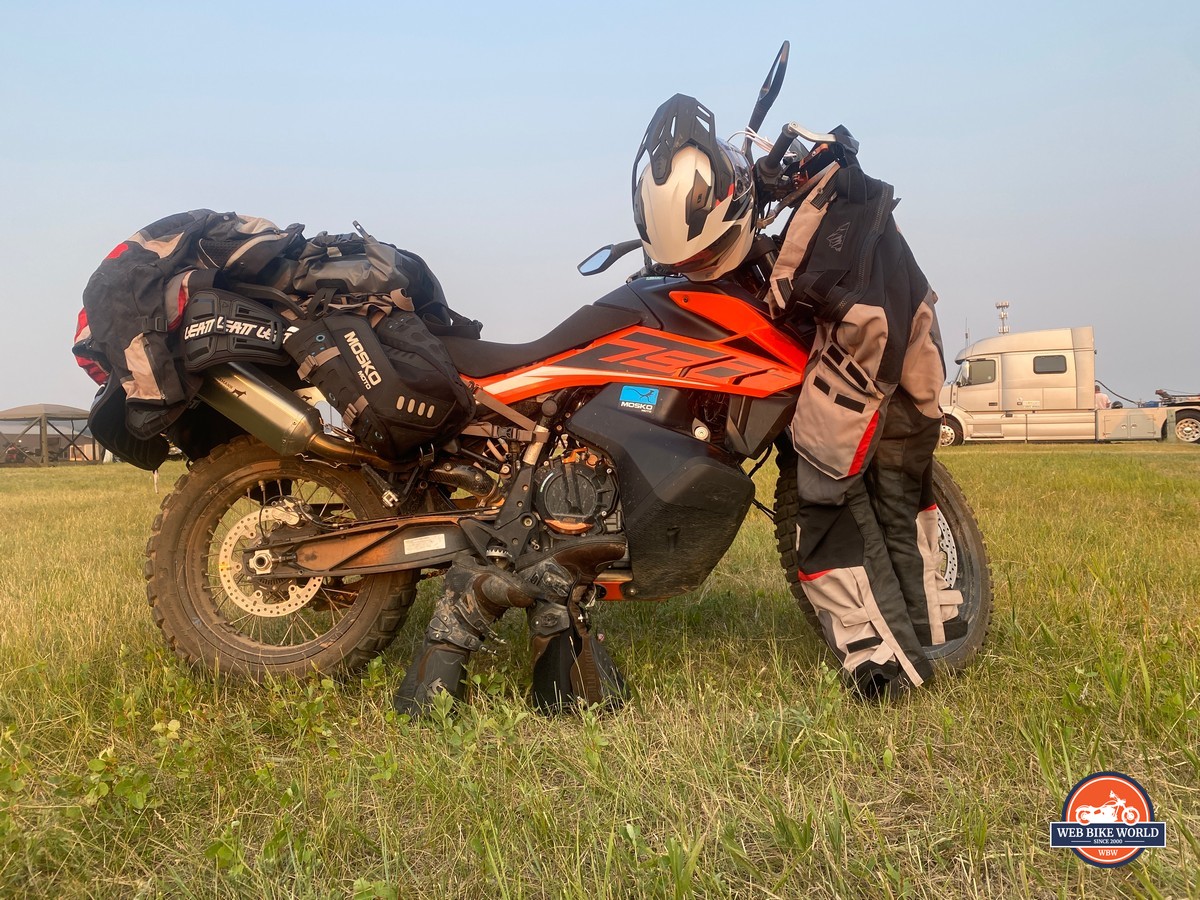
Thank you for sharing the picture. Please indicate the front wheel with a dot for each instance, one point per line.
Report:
(217, 614)
(951, 434)
(964, 563)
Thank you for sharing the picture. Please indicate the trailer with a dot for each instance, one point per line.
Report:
(1041, 386)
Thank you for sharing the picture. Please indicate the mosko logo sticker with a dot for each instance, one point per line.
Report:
(640, 398)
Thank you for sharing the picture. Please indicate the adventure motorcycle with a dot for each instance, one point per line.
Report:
(290, 547)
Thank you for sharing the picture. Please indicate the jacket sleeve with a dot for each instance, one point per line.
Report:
(132, 302)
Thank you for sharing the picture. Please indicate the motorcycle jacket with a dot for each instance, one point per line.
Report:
(137, 297)
(846, 275)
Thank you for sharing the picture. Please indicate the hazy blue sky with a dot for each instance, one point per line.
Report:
(1046, 153)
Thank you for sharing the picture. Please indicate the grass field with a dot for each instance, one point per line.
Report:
(740, 768)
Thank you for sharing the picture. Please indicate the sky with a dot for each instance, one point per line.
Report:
(1045, 153)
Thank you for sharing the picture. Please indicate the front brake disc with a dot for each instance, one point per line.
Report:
(949, 551)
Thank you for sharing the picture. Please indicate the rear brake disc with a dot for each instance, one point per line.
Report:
(254, 599)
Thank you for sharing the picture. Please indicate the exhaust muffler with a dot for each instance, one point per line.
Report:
(277, 417)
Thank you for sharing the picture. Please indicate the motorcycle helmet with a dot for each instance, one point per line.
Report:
(693, 198)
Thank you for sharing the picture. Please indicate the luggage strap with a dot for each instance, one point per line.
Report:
(354, 410)
(316, 361)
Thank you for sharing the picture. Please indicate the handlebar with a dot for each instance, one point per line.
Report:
(769, 166)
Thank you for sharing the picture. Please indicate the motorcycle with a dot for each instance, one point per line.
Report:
(289, 547)
(1116, 810)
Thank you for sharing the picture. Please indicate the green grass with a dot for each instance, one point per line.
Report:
(740, 768)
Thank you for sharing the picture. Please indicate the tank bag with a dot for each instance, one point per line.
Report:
(394, 385)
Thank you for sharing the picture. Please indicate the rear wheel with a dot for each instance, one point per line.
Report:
(214, 611)
(964, 563)
(1187, 427)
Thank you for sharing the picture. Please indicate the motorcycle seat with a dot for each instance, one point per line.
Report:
(479, 359)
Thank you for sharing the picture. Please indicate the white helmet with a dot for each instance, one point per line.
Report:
(693, 203)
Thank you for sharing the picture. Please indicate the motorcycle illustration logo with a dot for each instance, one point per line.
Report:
(1107, 821)
(1117, 809)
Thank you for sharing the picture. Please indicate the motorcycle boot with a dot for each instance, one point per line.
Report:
(557, 572)
(570, 662)
(473, 597)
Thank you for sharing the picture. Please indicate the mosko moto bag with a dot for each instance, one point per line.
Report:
(394, 386)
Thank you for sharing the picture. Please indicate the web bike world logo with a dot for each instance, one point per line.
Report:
(1108, 820)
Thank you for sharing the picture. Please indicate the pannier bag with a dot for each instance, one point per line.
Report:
(394, 386)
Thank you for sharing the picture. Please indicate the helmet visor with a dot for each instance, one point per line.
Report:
(741, 191)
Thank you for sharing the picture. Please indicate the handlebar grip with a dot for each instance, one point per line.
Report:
(768, 167)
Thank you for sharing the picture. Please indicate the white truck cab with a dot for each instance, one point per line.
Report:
(1040, 386)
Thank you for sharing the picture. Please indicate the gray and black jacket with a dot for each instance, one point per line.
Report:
(846, 274)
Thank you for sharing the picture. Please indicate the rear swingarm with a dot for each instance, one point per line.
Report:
(384, 545)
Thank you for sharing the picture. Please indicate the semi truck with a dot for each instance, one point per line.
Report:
(1041, 386)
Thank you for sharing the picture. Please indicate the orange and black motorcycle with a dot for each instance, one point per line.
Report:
(290, 547)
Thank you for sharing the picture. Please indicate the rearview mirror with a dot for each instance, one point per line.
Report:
(606, 256)
(769, 91)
